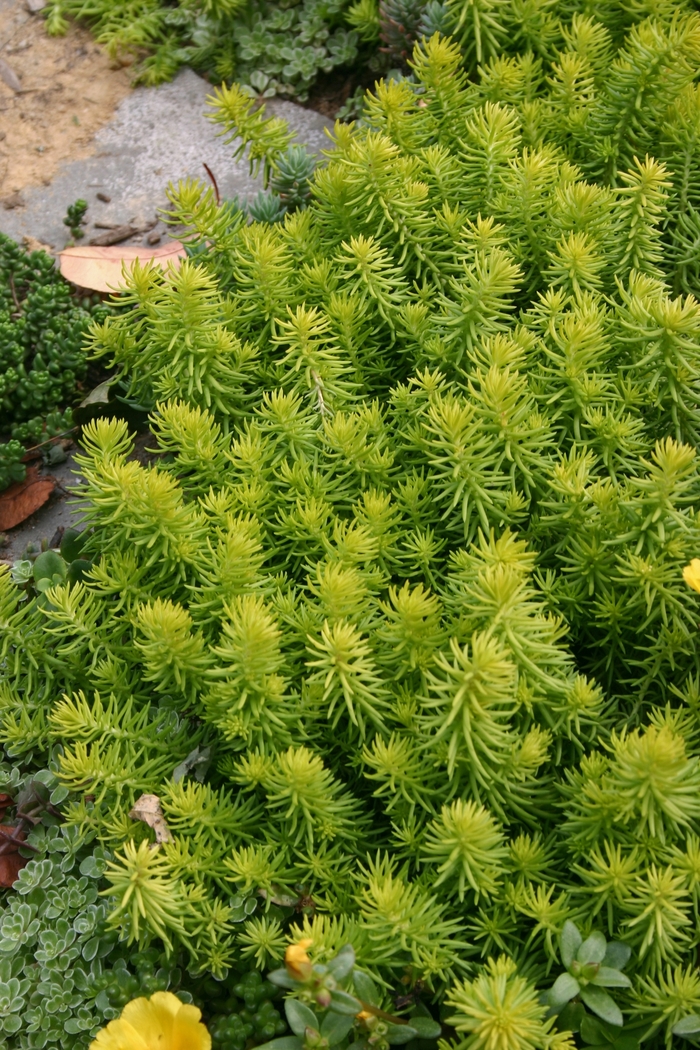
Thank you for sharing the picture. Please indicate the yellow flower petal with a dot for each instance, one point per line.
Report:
(297, 961)
(691, 574)
(189, 1033)
(153, 1018)
(162, 1022)
(118, 1035)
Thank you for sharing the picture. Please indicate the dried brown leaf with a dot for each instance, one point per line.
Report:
(23, 498)
(147, 808)
(10, 861)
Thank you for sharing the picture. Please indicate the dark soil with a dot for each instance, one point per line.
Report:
(332, 90)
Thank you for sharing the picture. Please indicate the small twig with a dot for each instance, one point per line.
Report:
(8, 840)
(383, 1014)
(63, 433)
(211, 175)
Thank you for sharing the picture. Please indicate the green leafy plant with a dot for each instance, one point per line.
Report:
(501, 1005)
(41, 355)
(52, 936)
(74, 218)
(11, 466)
(592, 966)
(271, 48)
(39, 571)
(344, 998)
(595, 1032)
(401, 595)
(64, 973)
(688, 1027)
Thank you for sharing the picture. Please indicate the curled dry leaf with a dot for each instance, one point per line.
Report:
(23, 498)
(101, 269)
(147, 808)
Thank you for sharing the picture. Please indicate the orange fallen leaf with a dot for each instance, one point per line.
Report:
(100, 269)
(10, 861)
(23, 498)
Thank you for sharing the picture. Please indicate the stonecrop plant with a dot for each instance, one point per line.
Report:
(395, 625)
(42, 359)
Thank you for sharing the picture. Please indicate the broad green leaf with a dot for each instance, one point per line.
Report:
(593, 948)
(93, 868)
(343, 1003)
(90, 948)
(570, 1018)
(343, 963)
(78, 569)
(102, 1000)
(365, 987)
(285, 1042)
(689, 1025)
(336, 1026)
(601, 1004)
(564, 988)
(59, 795)
(596, 1031)
(626, 1042)
(300, 1016)
(570, 941)
(398, 1034)
(281, 978)
(426, 1027)
(49, 566)
(617, 955)
(72, 544)
(609, 978)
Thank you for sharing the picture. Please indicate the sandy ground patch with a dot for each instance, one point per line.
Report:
(69, 90)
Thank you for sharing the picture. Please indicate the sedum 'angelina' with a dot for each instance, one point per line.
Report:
(471, 843)
(500, 1010)
(395, 621)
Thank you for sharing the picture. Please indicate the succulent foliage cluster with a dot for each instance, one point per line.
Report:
(395, 625)
(63, 972)
(41, 354)
(276, 48)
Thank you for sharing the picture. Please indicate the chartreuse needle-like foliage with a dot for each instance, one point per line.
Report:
(395, 622)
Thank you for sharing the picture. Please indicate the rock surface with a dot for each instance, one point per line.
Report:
(158, 135)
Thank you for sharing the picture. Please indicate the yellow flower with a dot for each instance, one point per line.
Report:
(691, 574)
(297, 961)
(162, 1022)
(364, 1015)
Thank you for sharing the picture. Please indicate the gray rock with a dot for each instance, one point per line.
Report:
(158, 135)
